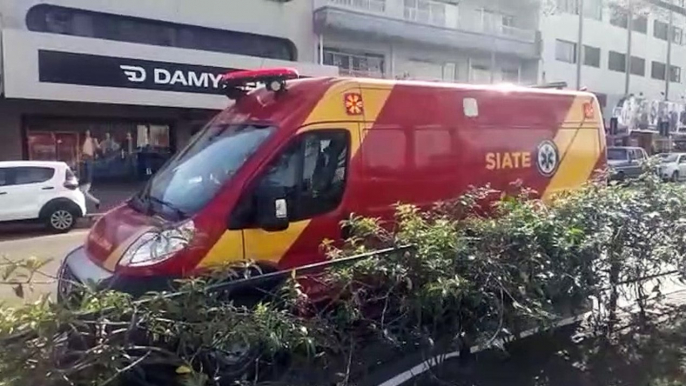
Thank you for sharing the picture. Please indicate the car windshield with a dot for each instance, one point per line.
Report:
(667, 158)
(617, 154)
(195, 175)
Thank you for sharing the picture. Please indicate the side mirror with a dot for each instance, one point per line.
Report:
(272, 213)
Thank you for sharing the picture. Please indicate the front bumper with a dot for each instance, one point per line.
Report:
(78, 270)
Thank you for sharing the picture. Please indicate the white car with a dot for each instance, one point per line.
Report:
(672, 166)
(42, 191)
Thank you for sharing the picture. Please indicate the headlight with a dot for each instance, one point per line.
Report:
(154, 247)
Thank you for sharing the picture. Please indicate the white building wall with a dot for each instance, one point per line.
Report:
(292, 20)
(607, 37)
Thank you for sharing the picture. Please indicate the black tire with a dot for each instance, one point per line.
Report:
(620, 177)
(675, 176)
(60, 218)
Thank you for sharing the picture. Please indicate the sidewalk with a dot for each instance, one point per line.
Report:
(111, 195)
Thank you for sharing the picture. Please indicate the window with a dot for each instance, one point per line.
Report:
(660, 29)
(310, 174)
(386, 159)
(510, 75)
(565, 51)
(677, 35)
(616, 61)
(77, 22)
(355, 63)
(640, 24)
(658, 70)
(619, 17)
(431, 147)
(593, 9)
(424, 11)
(592, 56)
(638, 66)
(32, 175)
(4, 177)
(675, 74)
(568, 6)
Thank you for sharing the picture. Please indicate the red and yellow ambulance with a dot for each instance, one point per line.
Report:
(273, 175)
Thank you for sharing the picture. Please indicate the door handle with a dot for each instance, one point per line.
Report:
(3, 193)
(48, 188)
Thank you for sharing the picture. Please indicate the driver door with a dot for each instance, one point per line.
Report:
(311, 175)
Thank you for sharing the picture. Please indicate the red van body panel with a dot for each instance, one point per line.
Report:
(410, 142)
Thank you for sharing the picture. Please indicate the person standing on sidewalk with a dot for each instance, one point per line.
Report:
(88, 152)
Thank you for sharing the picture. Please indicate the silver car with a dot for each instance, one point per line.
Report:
(625, 162)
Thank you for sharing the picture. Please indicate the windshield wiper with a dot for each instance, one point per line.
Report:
(171, 206)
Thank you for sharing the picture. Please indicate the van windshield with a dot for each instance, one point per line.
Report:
(195, 175)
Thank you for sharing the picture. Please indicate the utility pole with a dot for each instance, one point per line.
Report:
(668, 66)
(579, 43)
(629, 28)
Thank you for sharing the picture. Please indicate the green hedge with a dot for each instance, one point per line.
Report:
(469, 279)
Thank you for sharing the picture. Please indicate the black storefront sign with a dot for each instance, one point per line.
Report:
(107, 71)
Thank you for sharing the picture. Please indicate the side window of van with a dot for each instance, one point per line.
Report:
(311, 173)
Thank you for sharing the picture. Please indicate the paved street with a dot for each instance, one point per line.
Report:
(43, 247)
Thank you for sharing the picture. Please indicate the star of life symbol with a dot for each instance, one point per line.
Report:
(548, 158)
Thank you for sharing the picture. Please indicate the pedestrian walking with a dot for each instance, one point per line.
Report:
(88, 152)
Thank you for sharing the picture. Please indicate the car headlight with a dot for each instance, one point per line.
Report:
(154, 247)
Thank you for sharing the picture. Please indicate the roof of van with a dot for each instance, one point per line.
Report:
(504, 87)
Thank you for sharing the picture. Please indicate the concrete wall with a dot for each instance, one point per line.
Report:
(401, 58)
(292, 20)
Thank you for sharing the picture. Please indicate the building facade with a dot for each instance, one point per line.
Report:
(654, 87)
(474, 41)
(136, 78)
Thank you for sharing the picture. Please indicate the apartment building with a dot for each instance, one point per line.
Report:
(657, 51)
(139, 76)
(478, 41)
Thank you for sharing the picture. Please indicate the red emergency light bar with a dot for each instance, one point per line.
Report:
(238, 83)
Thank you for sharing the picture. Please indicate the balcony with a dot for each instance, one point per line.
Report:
(427, 22)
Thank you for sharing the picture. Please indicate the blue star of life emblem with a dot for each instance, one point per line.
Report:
(547, 158)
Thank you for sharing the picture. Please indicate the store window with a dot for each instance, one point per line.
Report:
(118, 150)
(77, 22)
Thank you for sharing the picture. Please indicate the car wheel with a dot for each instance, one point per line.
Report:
(675, 177)
(60, 219)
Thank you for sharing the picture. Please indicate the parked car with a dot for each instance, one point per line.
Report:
(672, 166)
(38, 191)
(625, 162)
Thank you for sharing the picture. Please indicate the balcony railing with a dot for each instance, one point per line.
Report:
(361, 73)
(376, 6)
(435, 13)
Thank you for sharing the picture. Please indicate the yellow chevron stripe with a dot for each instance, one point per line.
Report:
(579, 149)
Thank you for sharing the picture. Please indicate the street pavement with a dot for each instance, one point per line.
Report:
(41, 246)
